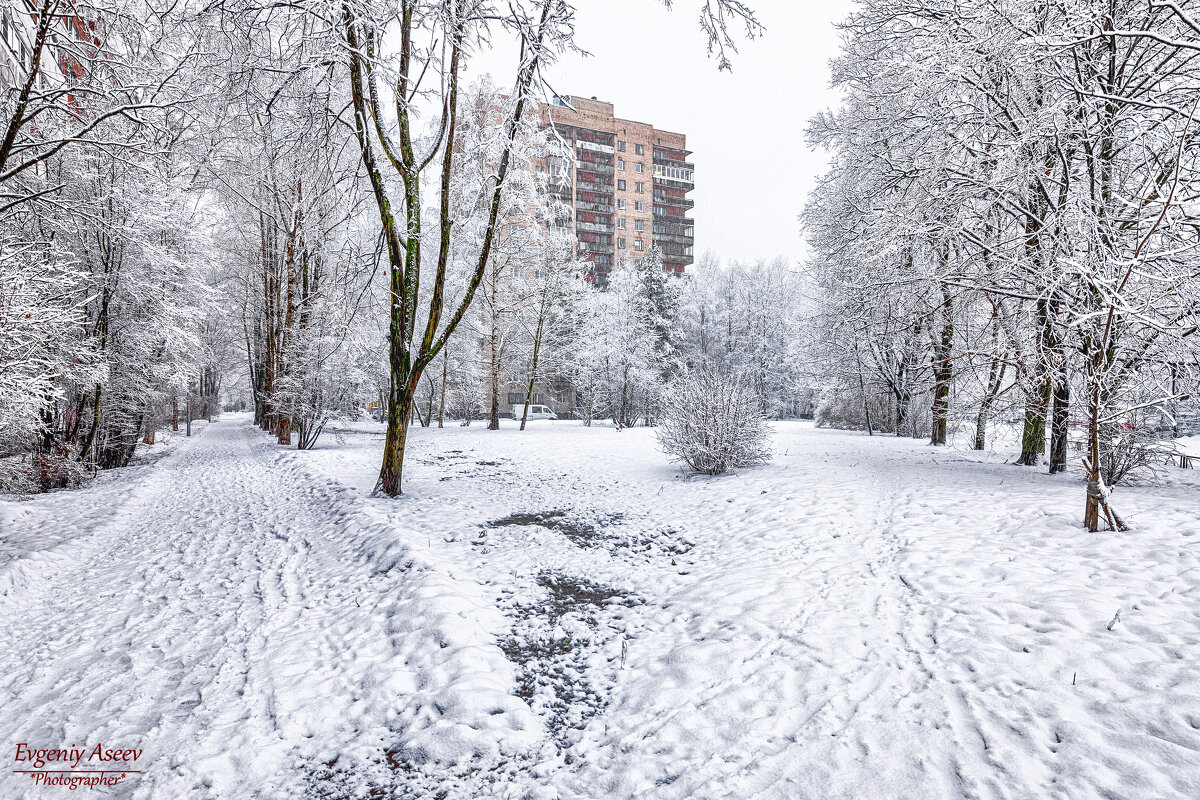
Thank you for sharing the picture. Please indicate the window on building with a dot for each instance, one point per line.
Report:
(637, 244)
(639, 225)
(620, 163)
(621, 184)
(639, 167)
(639, 149)
(538, 398)
(621, 243)
(620, 146)
(621, 223)
(516, 398)
(638, 205)
(621, 204)
(638, 187)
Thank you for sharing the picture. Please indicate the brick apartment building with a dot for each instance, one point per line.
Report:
(625, 192)
(627, 189)
(72, 38)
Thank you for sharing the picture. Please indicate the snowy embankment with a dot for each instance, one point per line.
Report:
(559, 613)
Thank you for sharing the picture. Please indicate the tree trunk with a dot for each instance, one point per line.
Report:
(985, 408)
(90, 438)
(392, 472)
(941, 406)
(425, 419)
(533, 365)
(995, 381)
(862, 389)
(1033, 435)
(445, 372)
(1059, 425)
(981, 422)
(528, 400)
(494, 411)
(148, 438)
(174, 413)
(943, 369)
(285, 429)
(1096, 507)
(494, 363)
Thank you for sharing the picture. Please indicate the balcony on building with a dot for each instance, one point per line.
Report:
(664, 199)
(672, 174)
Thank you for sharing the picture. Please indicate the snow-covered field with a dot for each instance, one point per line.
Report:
(560, 613)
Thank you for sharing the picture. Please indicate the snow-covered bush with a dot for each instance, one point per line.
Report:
(843, 409)
(712, 423)
(1131, 450)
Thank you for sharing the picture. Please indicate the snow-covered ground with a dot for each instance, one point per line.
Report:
(560, 613)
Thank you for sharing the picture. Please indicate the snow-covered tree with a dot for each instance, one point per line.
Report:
(1008, 185)
(744, 321)
(617, 370)
(390, 70)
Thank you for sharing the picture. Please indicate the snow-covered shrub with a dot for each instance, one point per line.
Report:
(712, 423)
(1131, 449)
(843, 409)
(30, 473)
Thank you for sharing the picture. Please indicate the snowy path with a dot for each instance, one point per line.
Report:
(221, 617)
(860, 618)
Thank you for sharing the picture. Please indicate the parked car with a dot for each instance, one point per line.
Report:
(535, 412)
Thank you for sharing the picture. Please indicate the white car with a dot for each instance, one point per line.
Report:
(535, 412)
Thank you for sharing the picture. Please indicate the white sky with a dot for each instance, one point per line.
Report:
(746, 128)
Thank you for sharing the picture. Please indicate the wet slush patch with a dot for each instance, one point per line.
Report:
(458, 464)
(553, 640)
(574, 595)
(605, 529)
(585, 532)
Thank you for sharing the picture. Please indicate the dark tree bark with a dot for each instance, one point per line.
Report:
(1037, 404)
(943, 370)
(445, 373)
(1060, 421)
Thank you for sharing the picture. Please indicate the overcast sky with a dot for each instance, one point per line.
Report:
(746, 127)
